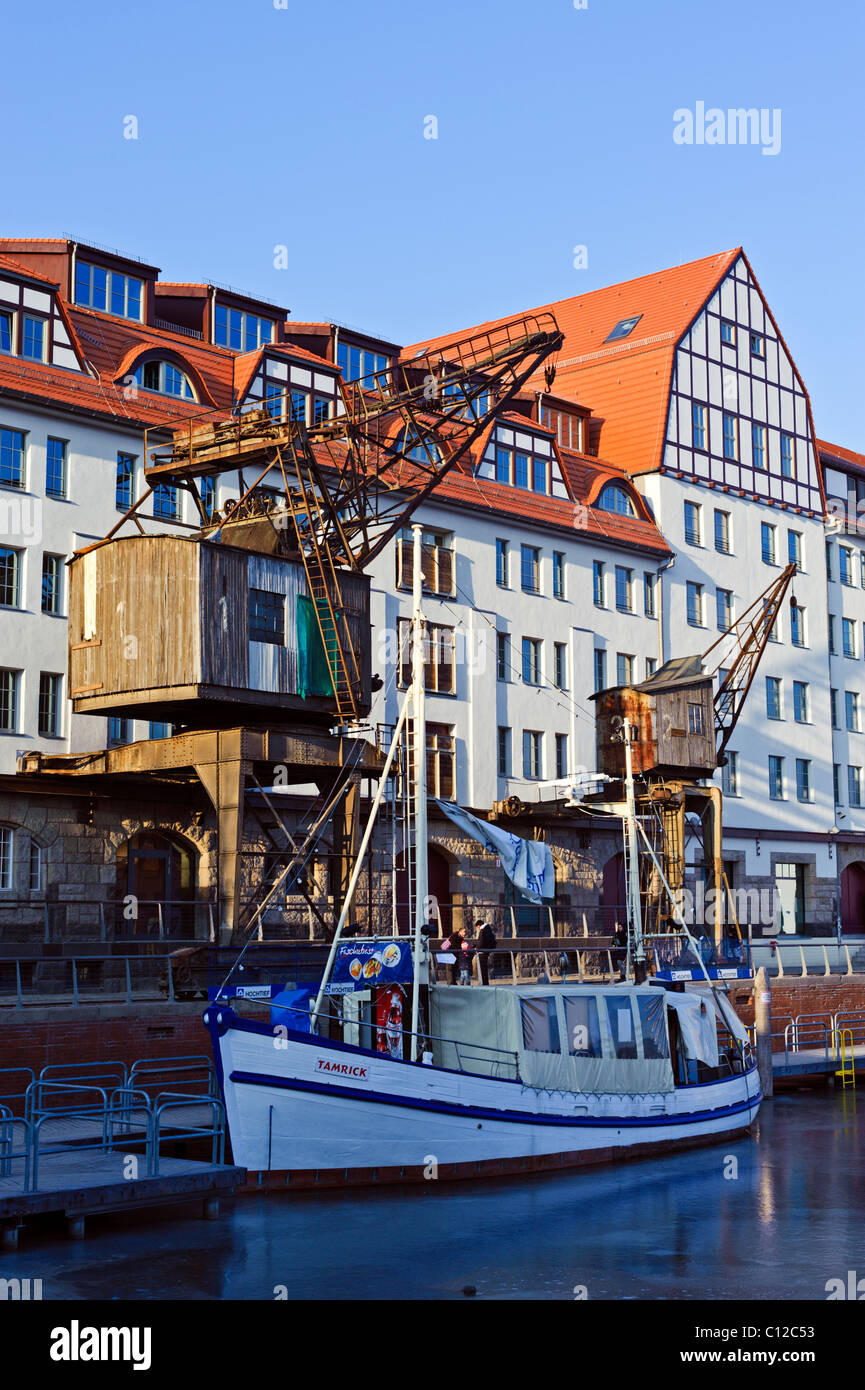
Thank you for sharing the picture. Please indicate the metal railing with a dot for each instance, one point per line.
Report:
(795, 949)
(152, 919)
(32, 980)
(92, 1118)
(817, 1033)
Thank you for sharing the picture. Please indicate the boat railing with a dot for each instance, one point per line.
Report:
(494, 1057)
(536, 963)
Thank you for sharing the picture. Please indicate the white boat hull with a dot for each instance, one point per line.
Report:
(315, 1110)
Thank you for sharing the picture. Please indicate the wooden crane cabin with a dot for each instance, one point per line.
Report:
(192, 629)
(674, 718)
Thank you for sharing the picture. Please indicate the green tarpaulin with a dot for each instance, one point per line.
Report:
(313, 672)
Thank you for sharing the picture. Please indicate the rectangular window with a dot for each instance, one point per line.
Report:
(731, 436)
(561, 756)
(531, 661)
(7, 330)
(773, 698)
(758, 346)
(558, 574)
(55, 468)
(9, 681)
(582, 1026)
(540, 1025)
(52, 584)
(794, 548)
(693, 527)
(767, 542)
(598, 583)
(530, 560)
(728, 333)
(532, 754)
(266, 617)
(165, 502)
(11, 458)
(159, 730)
(831, 635)
(539, 475)
(502, 564)
(800, 702)
(10, 577)
(758, 446)
(439, 657)
(624, 596)
(848, 637)
(123, 485)
(833, 708)
(776, 778)
(730, 774)
(651, 666)
(33, 337)
(829, 574)
(561, 657)
(851, 711)
(298, 407)
(797, 626)
(696, 721)
(207, 493)
(695, 604)
(49, 704)
(600, 670)
(503, 464)
(845, 564)
(722, 532)
(854, 786)
(119, 732)
(320, 409)
(244, 332)
(7, 842)
(788, 456)
(698, 426)
(504, 751)
(108, 290)
(503, 656)
(35, 868)
(836, 783)
(521, 469)
(724, 606)
(622, 1026)
(803, 779)
(624, 669)
(649, 594)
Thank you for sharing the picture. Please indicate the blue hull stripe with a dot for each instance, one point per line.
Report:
(476, 1112)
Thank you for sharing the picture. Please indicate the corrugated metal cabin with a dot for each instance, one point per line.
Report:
(674, 717)
(186, 630)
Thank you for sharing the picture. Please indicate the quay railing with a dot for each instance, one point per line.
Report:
(132, 919)
(32, 981)
(87, 1118)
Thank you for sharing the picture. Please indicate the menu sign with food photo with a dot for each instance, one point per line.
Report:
(360, 964)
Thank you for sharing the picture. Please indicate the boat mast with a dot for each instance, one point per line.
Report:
(420, 807)
(635, 912)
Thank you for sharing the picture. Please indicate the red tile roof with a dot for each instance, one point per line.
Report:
(625, 382)
(840, 454)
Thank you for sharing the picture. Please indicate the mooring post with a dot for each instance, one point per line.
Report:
(763, 1029)
(211, 1209)
(75, 1227)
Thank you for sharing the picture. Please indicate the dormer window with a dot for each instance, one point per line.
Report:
(357, 363)
(616, 499)
(244, 332)
(33, 337)
(166, 379)
(623, 329)
(7, 329)
(108, 290)
(419, 451)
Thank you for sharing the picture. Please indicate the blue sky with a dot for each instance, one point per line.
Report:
(303, 127)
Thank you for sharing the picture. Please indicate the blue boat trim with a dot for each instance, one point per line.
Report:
(477, 1112)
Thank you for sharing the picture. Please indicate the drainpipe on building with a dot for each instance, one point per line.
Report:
(662, 569)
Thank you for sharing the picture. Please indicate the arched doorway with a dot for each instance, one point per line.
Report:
(853, 899)
(439, 881)
(155, 871)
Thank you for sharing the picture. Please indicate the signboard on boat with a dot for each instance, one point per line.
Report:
(363, 963)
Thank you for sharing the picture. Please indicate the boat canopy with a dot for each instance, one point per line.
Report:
(585, 1038)
(697, 1024)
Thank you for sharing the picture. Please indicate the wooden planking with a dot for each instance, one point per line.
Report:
(223, 617)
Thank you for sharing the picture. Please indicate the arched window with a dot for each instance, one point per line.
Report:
(165, 378)
(615, 499)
